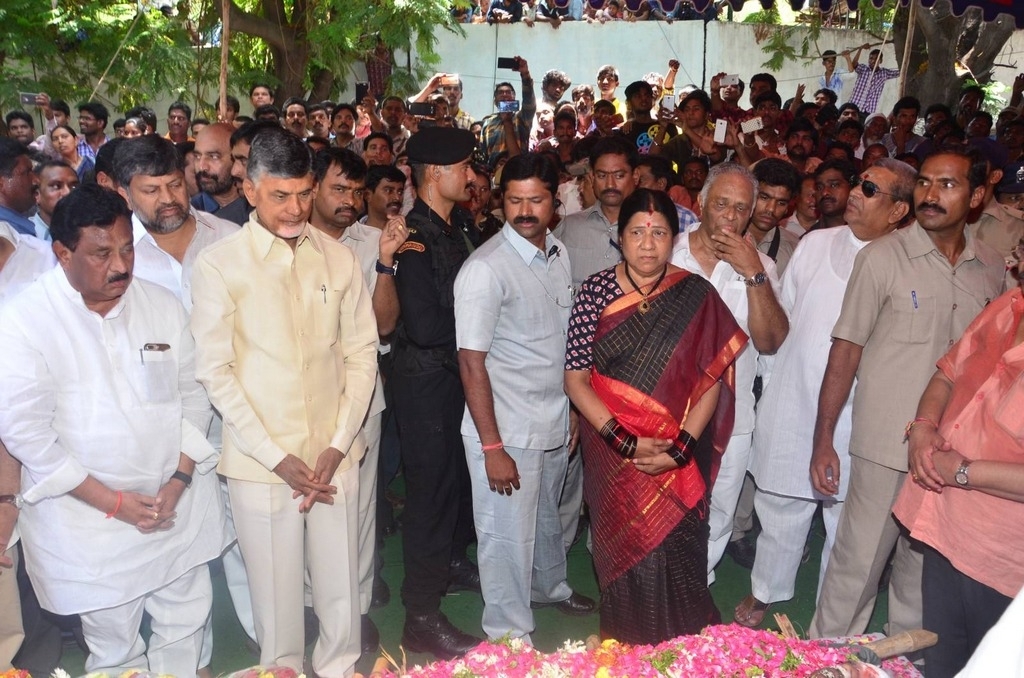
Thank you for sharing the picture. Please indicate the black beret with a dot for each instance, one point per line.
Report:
(440, 145)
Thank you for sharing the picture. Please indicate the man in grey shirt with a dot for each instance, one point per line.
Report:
(512, 301)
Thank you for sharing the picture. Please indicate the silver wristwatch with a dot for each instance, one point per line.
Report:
(13, 499)
(960, 476)
(757, 279)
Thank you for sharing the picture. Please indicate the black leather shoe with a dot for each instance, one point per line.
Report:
(381, 594)
(463, 575)
(742, 551)
(576, 605)
(369, 635)
(433, 633)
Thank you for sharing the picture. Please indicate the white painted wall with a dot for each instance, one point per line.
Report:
(580, 49)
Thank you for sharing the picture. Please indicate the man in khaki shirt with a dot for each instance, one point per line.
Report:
(287, 350)
(911, 295)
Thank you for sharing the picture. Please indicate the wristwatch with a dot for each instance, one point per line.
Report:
(14, 500)
(961, 474)
(757, 279)
(183, 477)
(387, 270)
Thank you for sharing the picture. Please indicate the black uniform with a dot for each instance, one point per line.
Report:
(429, 405)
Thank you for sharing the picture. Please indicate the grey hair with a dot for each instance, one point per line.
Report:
(278, 153)
(906, 178)
(721, 170)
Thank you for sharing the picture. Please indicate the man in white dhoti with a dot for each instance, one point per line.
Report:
(812, 295)
(720, 250)
(99, 402)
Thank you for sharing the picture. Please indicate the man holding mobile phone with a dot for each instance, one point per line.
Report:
(509, 132)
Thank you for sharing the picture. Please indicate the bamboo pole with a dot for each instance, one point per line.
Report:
(225, 15)
(905, 63)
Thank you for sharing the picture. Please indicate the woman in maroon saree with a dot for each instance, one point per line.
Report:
(649, 366)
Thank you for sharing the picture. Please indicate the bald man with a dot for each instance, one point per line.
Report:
(219, 194)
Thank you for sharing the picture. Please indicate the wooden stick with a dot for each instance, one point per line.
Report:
(902, 643)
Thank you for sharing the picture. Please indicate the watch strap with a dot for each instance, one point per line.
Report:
(14, 500)
(387, 270)
(183, 477)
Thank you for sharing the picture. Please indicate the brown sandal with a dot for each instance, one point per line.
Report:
(750, 612)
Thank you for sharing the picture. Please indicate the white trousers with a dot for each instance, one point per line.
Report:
(238, 583)
(724, 496)
(519, 539)
(280, 545)
(785, 522)
(178, 610)
(367, 539)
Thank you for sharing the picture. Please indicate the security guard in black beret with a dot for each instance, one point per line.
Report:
(427, 393)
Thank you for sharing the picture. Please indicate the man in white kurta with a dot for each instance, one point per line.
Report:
(812, 295)
(341, 187)
(746, 279)
(99, 402)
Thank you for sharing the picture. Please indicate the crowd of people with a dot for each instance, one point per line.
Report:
(554, 12)
(673, 315)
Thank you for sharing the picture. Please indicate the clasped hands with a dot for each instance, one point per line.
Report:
(311, 484)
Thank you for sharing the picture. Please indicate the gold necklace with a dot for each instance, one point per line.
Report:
(644, 305)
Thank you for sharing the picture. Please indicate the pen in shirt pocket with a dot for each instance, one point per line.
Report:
(913, 298)
(323, 290)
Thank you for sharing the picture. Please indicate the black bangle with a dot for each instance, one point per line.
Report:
(678, 457)
(183, 477)
(621, 440)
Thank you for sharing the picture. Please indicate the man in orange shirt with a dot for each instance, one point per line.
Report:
(966, 504)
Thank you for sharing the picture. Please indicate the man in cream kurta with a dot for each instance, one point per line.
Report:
(286, 343)
(99, 402)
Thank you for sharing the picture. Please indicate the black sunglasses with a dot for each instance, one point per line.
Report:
(870, 188)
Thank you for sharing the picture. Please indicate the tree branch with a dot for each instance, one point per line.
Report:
(991, 39)
(244, 22)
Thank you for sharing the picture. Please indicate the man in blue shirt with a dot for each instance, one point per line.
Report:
(18, 185)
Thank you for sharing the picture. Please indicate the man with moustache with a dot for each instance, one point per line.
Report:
(512, 302)
(220, 192)
(343, 125)
(911, 295)
(56, 179)
(832, 183)
(384, 186)
(340, 194)
(287, 350)
(719, 250)
(296, 110)
(101, 406)
(169, 234)
(778, 185)
(428, 395)
(18, 184)
(801, 140)
(241, 142)
(812, 295)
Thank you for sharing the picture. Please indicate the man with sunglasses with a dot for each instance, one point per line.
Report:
(911, 295)
(812, 295)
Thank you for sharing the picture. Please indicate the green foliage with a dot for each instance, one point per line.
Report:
(994, 90)
(65, 51)
(766, 16)
(662, 661)
(792, 661)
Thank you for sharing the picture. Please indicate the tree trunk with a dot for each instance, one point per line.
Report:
(940, 41)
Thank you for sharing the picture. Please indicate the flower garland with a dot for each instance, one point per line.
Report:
(717, 652)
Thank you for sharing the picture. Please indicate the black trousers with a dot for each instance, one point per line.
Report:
(437, 524)
(959, 609)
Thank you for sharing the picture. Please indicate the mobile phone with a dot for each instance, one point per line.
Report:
(720, 128)
(752, 125)
(362, 89)
(729, 80)
(508, 106)
(27, 98)
(421, 108)
(509, 63)
(450, 80)
(668, 102)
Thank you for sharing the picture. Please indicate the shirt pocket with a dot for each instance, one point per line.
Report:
(913, 318)
(327, 313)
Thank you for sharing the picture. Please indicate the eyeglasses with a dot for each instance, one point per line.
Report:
(870, 189)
